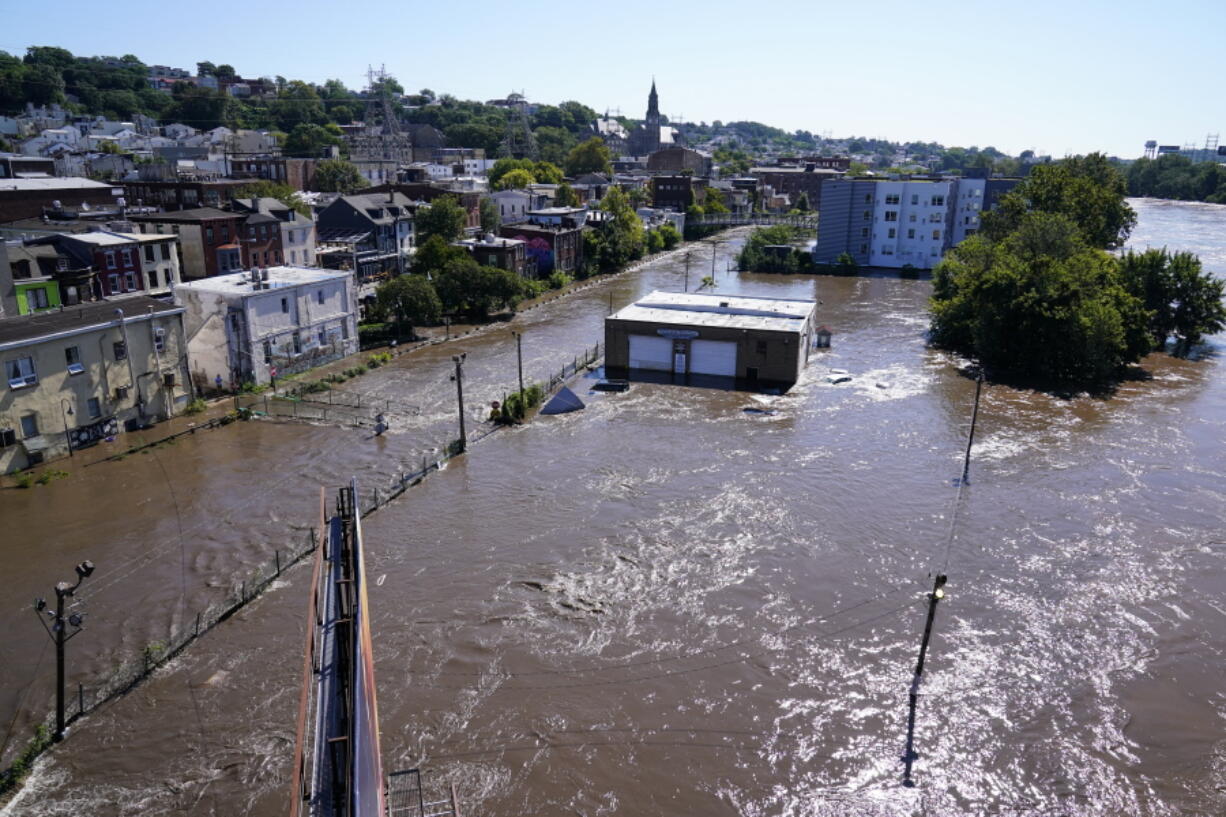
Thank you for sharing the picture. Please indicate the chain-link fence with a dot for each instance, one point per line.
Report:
(88, 697)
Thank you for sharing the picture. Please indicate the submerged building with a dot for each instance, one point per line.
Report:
(746, 341)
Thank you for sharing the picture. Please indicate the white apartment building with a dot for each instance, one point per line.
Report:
(244, 325)
(901, 223)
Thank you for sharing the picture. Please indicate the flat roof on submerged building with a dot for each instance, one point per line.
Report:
(714, 309)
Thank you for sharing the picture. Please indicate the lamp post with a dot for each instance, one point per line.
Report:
(519, 354)
(458, 377)
(66, 412)
(58, 632)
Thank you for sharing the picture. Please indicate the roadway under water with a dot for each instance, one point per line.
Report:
(667, 604)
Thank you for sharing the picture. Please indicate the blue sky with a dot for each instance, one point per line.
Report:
(1060, 77)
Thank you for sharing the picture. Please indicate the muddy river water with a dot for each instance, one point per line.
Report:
(666, 604)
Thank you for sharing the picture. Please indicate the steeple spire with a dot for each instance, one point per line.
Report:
(653, 102)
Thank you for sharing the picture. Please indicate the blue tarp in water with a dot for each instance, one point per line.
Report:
(565, 400)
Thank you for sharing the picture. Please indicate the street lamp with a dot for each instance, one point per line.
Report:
(458, 377)
(58, 632)
(66, 412)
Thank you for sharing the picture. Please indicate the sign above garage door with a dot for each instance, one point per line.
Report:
(677, 334)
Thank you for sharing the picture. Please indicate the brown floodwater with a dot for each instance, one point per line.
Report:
(667, 604)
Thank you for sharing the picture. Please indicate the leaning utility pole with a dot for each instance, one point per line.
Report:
(910, 755)
(60, 635)
(686, 288)
(458, 377)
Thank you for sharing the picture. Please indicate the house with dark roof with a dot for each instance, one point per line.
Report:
(370, 234)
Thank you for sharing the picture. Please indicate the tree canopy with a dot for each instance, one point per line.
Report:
(592, 156)
(411, 299)
(1182, 299)
(1172, 176)
(1089, 190)
(338, 176)
(444, 218)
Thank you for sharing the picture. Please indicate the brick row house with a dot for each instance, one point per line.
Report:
(215, 242)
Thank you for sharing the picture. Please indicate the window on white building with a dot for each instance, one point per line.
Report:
(892, 233)
(915, 198)
(319, 296)
(910, 233)
(297, 343)
(936, 235)
(153, 279)
(20, 372)
(29, 426)
(93, 407)
(285, 306)
(891, 215)
(892, 198)
(938, 201)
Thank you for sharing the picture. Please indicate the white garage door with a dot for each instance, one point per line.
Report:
(713, 357)
(653, 353)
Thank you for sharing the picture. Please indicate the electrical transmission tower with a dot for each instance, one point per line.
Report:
(518, 143)
(387, 142)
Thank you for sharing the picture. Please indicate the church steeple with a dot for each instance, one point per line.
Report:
(653, 102)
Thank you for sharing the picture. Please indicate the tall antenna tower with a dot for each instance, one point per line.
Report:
(381, 103)
(385, 142)
(1210, 147)
(518, 143)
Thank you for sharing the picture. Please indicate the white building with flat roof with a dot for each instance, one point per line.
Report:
(246, 325)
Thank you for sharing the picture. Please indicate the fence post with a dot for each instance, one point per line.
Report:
(266, 404)
(242, 590)
(278, 556)
(80, 699)
(197, 623)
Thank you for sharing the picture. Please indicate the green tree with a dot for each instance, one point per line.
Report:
(1089, 190)
(411, 299)
(433, 254)
(1183, 300)
(515, 180)
(444, 218)
(338, 176)
(308, 140)
(565, 196)
(1041, 302)
(592, 156)
(714, 201)
(297, 104)
(553, 143)
(857, 169)
(669, 235)
(655, 241)
(491, 220)
(622, 234)
(547, 173)
(504, 166)
(802, 203)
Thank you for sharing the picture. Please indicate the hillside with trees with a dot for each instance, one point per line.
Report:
(1177, 177)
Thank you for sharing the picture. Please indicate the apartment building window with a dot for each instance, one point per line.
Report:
(285, 306)
(37, 299)
(225, 233)
(891, 215)
(21, 269)
(935, 218)
(159, 340)
(148, 252)
(887, 250)
(72, 359)
(120, 350)
(29, 426)
(127, 257)
(165, 252)
(912, 219)
(938, 201)
(129, 280)
(910, 233)
(208, 233)
(297, 343)
(868, 198)
(936, 235)
(344, 330)
(319, 296)
(323, 337)
(892, 198)
(153, 279)
(868, 215)
(268, 353)
(893, 233)
(864, 232)
(20, 372)
(915, 198)
(112, 281)
(93, 407)
(251, 232)
(863, 248)
(7, 437)
(110, 260)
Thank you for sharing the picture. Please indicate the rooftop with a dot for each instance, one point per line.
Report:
(22, 330)
(111, 239)
(239, 283)
(817, 171)
(197, 214)
(713, 309)
(54, 183)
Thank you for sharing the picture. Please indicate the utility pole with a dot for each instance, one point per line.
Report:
(909, 756)
(58, 632)
(686, 288)
(458, 377)
(519, 354)
(970, 438)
